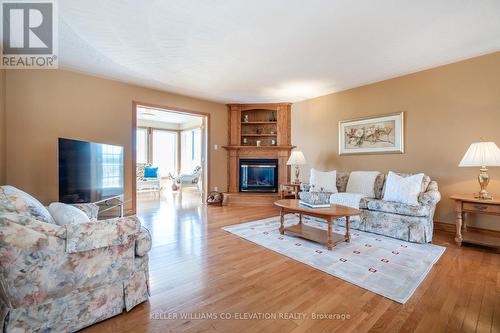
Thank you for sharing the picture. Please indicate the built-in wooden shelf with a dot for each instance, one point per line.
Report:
(232, 147)
(258, 122)
(245, 120)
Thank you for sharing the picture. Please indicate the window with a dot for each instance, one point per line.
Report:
(196, 147)
(191, 150)
(165, 151)
(142, 145)
(111, 166)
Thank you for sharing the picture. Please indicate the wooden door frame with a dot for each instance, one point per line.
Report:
(206, 115)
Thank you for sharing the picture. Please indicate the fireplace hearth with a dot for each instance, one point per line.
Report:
(259, 175)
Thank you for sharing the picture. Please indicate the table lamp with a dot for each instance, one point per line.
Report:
(482, 154)
(296, 159)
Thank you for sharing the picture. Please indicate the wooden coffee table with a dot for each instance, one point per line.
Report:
(292, 206)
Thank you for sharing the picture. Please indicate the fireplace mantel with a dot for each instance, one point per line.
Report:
(258, 148)
(268, 123)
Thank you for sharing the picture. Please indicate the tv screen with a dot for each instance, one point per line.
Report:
(88, 171)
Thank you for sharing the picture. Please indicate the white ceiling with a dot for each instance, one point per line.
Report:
(270, 50)
(150, 114)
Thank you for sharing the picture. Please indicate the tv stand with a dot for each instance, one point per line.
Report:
(110, 204)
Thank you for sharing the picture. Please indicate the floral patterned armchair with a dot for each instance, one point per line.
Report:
(63, 278)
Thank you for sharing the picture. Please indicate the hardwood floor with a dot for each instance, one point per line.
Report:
(197, 269)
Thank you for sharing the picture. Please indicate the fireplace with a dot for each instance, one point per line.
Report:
(259, 175)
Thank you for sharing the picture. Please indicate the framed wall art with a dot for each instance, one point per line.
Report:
(372, 135)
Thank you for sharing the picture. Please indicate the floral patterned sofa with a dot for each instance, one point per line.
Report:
(397, 220)
(63, 278)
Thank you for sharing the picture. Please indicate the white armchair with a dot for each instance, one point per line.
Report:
(146, 183)
(189, 180)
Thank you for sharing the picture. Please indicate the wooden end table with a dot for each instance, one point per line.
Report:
(292, 206)
(289, 189)
(469, 204)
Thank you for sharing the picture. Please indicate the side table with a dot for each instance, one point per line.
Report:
(469, 204)
(289, 190)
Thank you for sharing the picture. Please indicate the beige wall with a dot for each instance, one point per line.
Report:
(2, 126)
(43, 105)
(447, 108)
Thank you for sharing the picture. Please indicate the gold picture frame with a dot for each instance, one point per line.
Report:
(383, 134)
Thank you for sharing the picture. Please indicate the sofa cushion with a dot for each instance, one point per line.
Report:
(378, 187)
(64, 214)
(396, 207)
(363, 203)
(13, 200)
(323, 181)
(342, 179)
(426, 180)
(90, 209)
(403, 189)
(362, 182)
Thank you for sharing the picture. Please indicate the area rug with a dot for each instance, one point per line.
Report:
(386, 266)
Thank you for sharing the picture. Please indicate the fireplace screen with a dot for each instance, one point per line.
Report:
(258, 175)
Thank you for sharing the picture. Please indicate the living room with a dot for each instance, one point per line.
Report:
(349, 177)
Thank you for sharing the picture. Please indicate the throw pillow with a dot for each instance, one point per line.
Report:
(362, 182)
(150, 172)
(403, 189)
(66, 214)
(325, 181)
(14, 200)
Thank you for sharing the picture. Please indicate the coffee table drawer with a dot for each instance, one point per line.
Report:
(481, 207)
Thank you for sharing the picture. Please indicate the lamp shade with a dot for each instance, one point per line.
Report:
(296, 158)
(481, 154)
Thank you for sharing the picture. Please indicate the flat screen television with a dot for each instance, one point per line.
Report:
(89, 171)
